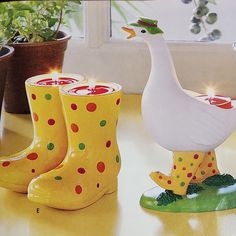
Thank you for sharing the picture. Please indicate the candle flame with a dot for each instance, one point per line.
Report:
(211, 92)
(54, 75)
(92, 83)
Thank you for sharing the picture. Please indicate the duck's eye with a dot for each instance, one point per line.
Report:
(143, 31)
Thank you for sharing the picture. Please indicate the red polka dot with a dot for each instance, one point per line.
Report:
(33, 96)
(78, 189)
(209, 165)
(118, 101)
(195, 156)
(209, 153)
(108, 143)
(74, 128)
(184, 168)
(73, 106)
(32, 156)
(33, 170)
(81, 170)
(91, 107)
(6, 163)
(189, 175)
(175, 167)
(169, 182)
(101, 167)
(160, 177)
(51, 121)
(194, 177)
(35, 117)
(98, 185)
(213, 171)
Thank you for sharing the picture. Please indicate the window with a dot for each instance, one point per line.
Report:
(75, 21)
(174, 17)
(128, 62)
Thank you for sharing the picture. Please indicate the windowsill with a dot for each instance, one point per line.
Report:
(198, 65)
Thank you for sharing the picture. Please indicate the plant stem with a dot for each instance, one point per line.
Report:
(59, 23)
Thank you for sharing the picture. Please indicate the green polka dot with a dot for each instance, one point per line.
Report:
(103, 123)
(177, 176)
(212, 158)
(191, 164)
(81, 146)
(182, 184)
(203, 172)
(48, 96)
(50, 146)
(180, 159)
(117, 159)
(58, 178)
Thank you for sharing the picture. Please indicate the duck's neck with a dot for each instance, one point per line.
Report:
(163, 72)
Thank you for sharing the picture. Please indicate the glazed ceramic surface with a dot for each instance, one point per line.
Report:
(92, 163)
(49, 145)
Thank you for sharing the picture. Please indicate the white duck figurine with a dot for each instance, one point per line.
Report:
(180, 123)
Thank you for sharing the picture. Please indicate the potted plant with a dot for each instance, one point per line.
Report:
(32, 29)
(6, 53)
(203, 17)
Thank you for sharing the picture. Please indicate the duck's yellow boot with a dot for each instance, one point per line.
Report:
(183, 170)
(207, 168)
(92, 163)
(49, 145)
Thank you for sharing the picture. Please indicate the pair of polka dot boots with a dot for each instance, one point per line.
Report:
(74, 159)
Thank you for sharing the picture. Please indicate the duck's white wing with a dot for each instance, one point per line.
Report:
(207, 125)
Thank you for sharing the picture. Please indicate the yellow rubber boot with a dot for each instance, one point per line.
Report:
(49, 145)
(207, 168)
(92, 163)
(183, 170)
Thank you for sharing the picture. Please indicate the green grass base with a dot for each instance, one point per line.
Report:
(212, 198)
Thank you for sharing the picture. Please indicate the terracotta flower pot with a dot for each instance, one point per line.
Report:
(5, 56)
(31, 59)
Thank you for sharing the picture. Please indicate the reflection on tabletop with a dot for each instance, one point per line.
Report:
(37, 218)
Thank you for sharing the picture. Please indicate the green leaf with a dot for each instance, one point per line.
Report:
(23, 7)
(48, 35)
(220, 180)
(52, 22)
(194, 188)
(75, 1)
(212, 1)
(167, 197)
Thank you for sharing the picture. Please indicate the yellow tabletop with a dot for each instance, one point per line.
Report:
(118, 213)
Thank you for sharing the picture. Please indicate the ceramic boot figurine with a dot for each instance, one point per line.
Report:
(207, 168)
(184, 169)
(92, 163)
(188, 167)
(49, 145)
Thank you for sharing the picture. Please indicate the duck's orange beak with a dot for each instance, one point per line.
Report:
(131, 32)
